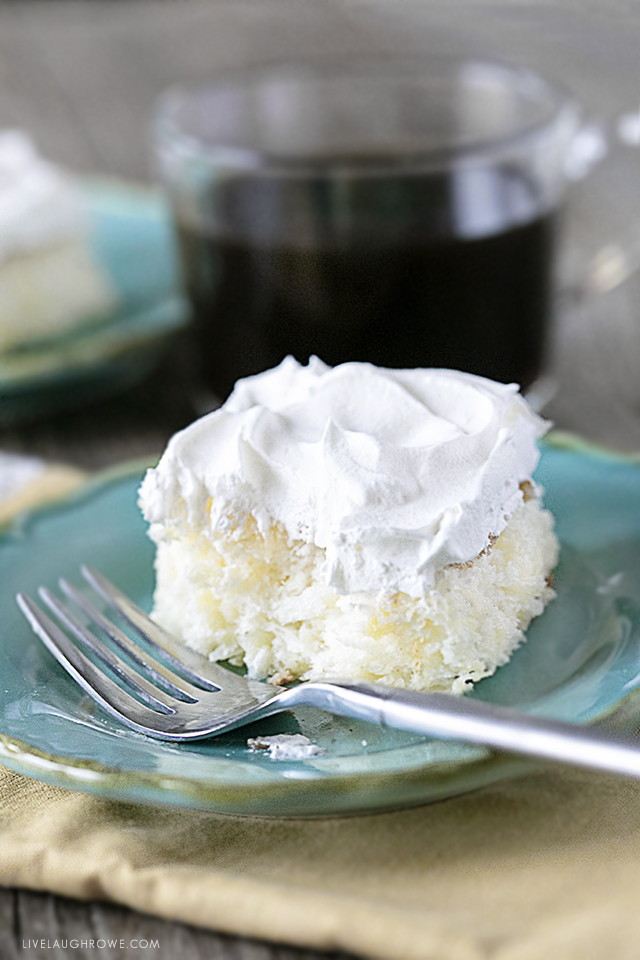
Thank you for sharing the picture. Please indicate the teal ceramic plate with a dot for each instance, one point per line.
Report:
(132, 240)
(581, 663)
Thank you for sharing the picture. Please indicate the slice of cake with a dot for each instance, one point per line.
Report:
(354, 522)
(49, 280)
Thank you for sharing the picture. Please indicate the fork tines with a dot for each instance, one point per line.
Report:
(140, 681)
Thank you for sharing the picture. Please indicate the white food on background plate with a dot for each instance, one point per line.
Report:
(49, 280)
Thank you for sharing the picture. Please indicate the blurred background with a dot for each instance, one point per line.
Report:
(82, 79)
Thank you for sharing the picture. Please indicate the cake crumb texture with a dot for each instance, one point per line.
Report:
(260, 600)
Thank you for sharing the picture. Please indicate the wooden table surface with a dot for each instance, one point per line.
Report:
(83, 76)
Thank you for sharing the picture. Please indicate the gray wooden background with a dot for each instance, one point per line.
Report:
(83, 77)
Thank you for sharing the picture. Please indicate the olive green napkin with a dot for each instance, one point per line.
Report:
(544, 867)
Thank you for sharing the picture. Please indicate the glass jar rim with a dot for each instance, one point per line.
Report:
(559, 111)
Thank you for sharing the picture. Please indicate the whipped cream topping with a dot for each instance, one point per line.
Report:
(395, 473)
(39, 205)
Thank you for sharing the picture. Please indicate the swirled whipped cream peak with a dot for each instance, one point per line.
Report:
(395, 474)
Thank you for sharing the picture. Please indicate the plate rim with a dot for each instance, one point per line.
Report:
(453, 777)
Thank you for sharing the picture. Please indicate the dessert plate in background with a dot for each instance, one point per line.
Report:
(132, 241)
(581, 663)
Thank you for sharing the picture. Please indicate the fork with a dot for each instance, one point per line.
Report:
(167, 691)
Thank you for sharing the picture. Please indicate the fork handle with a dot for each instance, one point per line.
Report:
(450, 717)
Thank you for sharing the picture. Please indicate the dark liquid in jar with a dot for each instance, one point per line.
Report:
(477, 304)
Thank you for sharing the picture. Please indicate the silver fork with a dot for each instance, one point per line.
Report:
(176, 694)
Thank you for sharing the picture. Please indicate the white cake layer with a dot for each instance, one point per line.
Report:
(49, 280)
(258, 599)
(48, 293)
